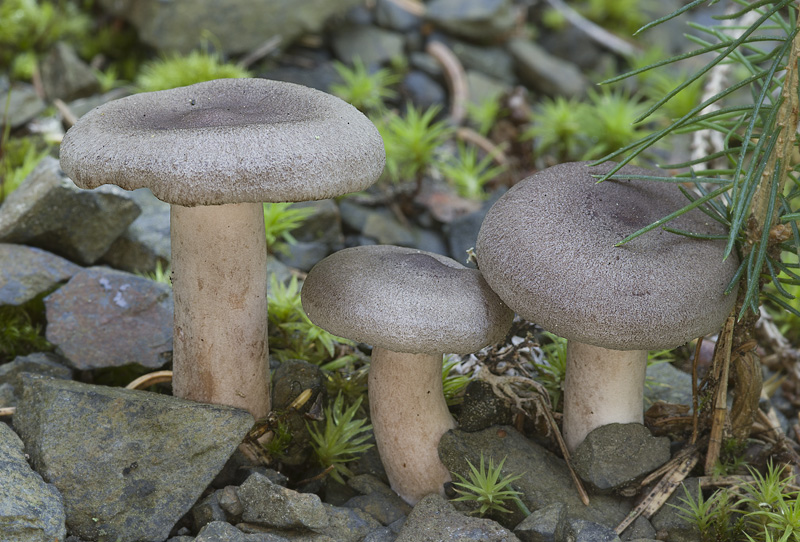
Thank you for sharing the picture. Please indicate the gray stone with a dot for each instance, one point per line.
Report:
(219, 531)
(24, 104)
(28, 272)
(40, 363)
(492, 62)
(391, 15)
(385, 508)
(483, 88)
(482, 408)
(434, 519)
(65, 75)
(347, 524)
(30, 509)
(541, 525)
(615, 455)
(268, 504)
(580, 530)
(542, 72)
(243, 25)
(481, 21)
(207, 510)
(667, 383)
(382, 534)
(640, 529)
(129, 463)
(374, 46)
(48, 211)
(146, 242)
(423, 90)
(545, 478)
(462, 231)
(107, 318)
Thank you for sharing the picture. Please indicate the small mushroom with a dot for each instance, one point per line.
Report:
(547, 248)
(412, 307)
(215, 151)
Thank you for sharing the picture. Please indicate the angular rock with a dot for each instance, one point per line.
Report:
(545, 478)
(65, 75)
(239, 28)
(24, 104)
(541, 525)
(391, 15)
(614, 455)
(580, 530)
(434, 519)
(40, 363)
(382, 507)
(48, 211)
(27, 272)
(146, 242)
(481, 21)
(482, 408)
(265, 503)
(671, 385)
(219, 531)
(348, 524)
(30, 509)
(540, 71)
(374, 46)
(128, 463)
(107, 318)
(423, 90)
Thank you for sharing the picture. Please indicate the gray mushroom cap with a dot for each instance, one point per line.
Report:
(404, 300)
(226, 141)
(547, 248)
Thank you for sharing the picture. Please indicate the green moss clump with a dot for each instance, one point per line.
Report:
(180, 71)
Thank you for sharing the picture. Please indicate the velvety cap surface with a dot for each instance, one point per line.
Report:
(404, 300)
(226, 141)
(547, 248)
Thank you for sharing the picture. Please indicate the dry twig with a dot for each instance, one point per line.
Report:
(150, 379)
(456, 79)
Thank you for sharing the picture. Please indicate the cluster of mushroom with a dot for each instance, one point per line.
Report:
(215, 151)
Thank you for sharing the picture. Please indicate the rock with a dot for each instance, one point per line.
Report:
(541, 525)
(206, 511)
(129, 463)
(493, 62)
(374, 46)
(482, 408)
(320, 76)
(146, 242)
(48, 211)
(580, 530)
(483, 89)
(40, 363)
(462, 231)
(384, 534)
(542, 72)
(348, 524)
(545, 478)
(65, 75)
(30, 509)
(24, 104)
(265, 503)
(107, 318)
(392, 16)
(482, 21)
(423, 90)
(317, 237)
(669, 518)
(241, 27)
(28, 272)
(614, 455)
(434, 519)
(219, 531)
(640, 529)
(385, 508)
(670, 385)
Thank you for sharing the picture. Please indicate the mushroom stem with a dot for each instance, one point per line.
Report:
(602, 386)
(409, 416)
(219, 270)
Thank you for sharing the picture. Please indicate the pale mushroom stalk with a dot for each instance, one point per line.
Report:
(219, 265)
(409, 415)
(601, 386)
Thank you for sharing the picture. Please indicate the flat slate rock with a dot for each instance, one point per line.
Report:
(27, 272)
(128, 463)
(107, 318)
(30, 509)
(48, 211)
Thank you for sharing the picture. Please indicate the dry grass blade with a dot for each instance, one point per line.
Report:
(721, 367)
(7, 411)
(456, 79)
(469, 135)
(150, 379)
(662, 491)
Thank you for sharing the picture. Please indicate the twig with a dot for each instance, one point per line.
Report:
(319, 476)
(695, 398)
(261, 51)
(150, 379)
(456, 79)
(69, 117)
(465, 133)
(722, 361)
(661, 492)
(7, 411)
(595, 32)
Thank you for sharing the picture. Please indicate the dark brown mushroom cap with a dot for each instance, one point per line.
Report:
(226, 141)
(547, 248)
(404, 300)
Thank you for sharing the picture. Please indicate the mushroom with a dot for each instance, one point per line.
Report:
(412, 307)
(547, 247)
(215, 151)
